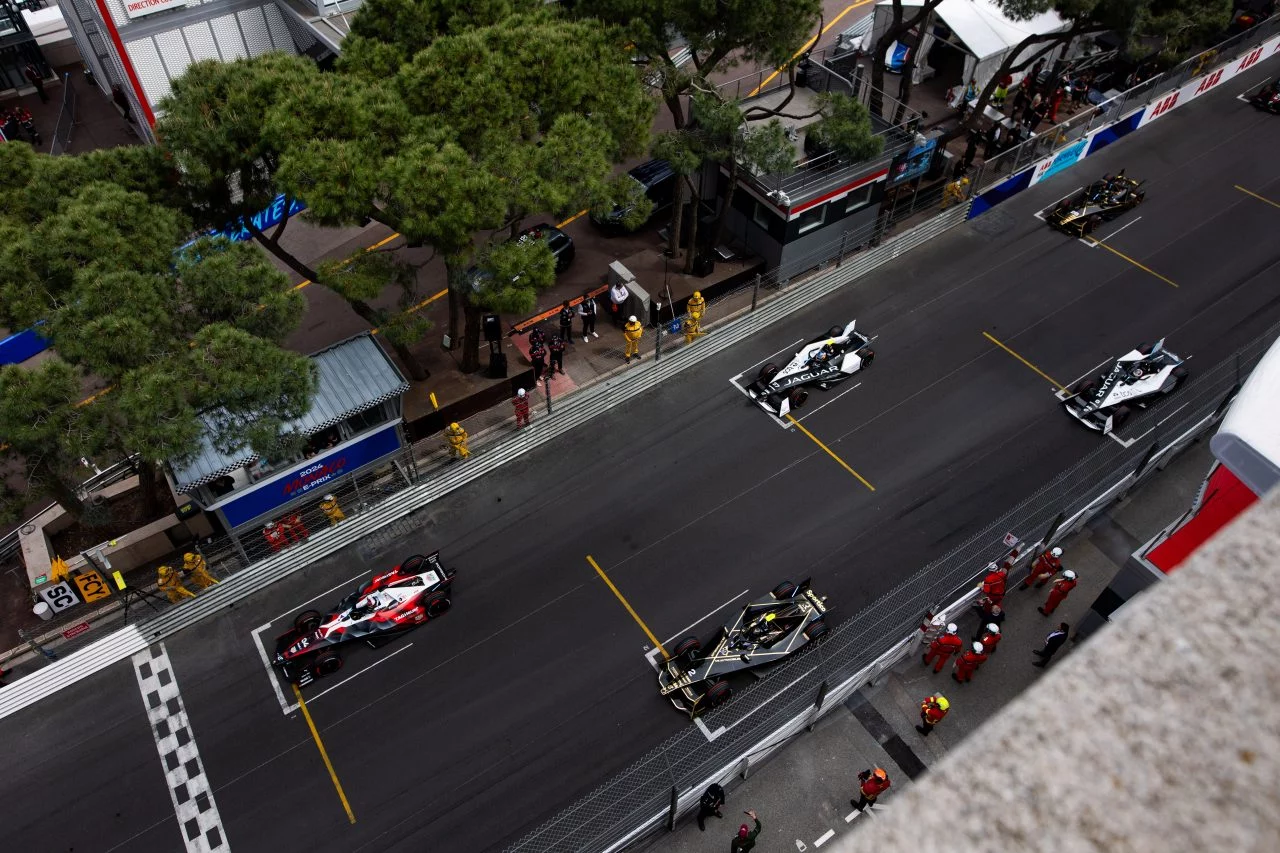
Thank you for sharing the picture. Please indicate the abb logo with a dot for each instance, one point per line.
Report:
(1165, 105)
(1209, 82)
(1249, 60)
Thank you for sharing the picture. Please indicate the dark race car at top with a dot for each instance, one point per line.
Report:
(1081, 213)
(1268, 97)
(823, 362)
(767, 630)
(1136, 379)
(396, 601)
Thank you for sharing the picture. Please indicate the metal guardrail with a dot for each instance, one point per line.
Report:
(666, 783)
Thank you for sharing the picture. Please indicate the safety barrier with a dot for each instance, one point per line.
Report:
(666, 783)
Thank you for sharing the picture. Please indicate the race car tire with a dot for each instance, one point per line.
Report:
(1120, 415)
(307, 621)
(1178, 375)
(867, 355)
(326, 664)
(814, 630)
(412, 565)
(1087, 386)
(767, 372)
(688, 646)
(798, 396)
(716, 695)
(437, 605)
(786, 589)
(1090, 225)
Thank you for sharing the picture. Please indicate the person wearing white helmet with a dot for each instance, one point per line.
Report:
(274, 536)
(967, 664)
(1045, 566)
(1058, 592)
(521, 405)
(633, 332)
(942, 648)
(990, 637)
(333, 512)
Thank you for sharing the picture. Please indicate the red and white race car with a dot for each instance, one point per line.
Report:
(416, 591)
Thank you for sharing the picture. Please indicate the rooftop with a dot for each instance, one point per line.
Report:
(355, 375)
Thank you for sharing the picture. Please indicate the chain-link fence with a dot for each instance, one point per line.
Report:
(1015, 159)
(665, 784)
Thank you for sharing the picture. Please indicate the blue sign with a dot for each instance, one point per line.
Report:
(262, 220)
(20, 346)
(913, 163)
(309, 476)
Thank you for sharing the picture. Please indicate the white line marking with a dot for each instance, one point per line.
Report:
(361, 672)
(828, 403)
(825, 837)
(1040, 214)
(1118, 230)
(710, 735)
(851, 815)
(321, 595)
(1126, 443)
(271, 671)
(790, 346)
(697, 622)
(189, 789)
(777, 420)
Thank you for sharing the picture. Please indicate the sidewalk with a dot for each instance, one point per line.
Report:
(802, 795)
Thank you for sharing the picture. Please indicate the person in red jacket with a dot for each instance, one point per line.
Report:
(990, 638)
(1061, 588)
(967, 664)
(874, 783)
(274, 536)
(1046, 566)
(941, 649)
(994, 583)
(294, 528)
(932, 710)
(521, 404)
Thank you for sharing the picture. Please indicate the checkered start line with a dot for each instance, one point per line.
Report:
(189, 788)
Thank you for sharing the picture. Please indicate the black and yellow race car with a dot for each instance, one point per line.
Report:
(1081, 213)
(766, 631)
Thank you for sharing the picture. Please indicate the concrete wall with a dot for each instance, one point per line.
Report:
(1161, 733)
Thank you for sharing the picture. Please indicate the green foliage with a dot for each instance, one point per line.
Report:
(726, 137)
(624, 193)
(216, 130)
(680, 149)
(219, 281)
(1176, 25)
(845, 128)
(513, 273)
(385, 34)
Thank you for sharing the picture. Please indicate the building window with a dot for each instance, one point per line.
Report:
(858, 198)
(763, 215)
(366, 420)
(811, 219)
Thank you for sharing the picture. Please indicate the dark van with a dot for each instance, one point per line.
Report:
(659, 182)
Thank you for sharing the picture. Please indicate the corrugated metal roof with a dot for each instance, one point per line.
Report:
(354, 375)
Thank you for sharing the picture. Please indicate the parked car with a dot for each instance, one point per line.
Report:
(560, 243)
(658, 181)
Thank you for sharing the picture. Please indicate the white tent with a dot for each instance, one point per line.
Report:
(978, 28)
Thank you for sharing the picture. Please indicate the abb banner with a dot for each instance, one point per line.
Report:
(1207, 82)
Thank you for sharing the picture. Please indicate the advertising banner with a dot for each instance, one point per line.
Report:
(138, 8)
(309, 476)
(1210, 81)
(1063, 159)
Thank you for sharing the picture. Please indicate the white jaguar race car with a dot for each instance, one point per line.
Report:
(823, 362)
(1136, 379)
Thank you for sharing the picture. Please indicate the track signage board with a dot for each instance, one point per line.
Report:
(92, 586)
(59, 597)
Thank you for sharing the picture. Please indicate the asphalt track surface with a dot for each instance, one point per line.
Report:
(535, 689)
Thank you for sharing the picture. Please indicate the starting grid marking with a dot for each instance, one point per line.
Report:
(189, 788)
(871, 809)
(277, 685)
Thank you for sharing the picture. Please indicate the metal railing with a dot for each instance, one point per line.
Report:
(666, 783)
(66, 123)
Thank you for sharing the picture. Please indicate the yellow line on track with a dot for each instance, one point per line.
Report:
(578, 215)
(810, 43)
(653, 639)
(1055, 383)
(1138, 264)
(1255, 195)
(843, 464)
(323, 754)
